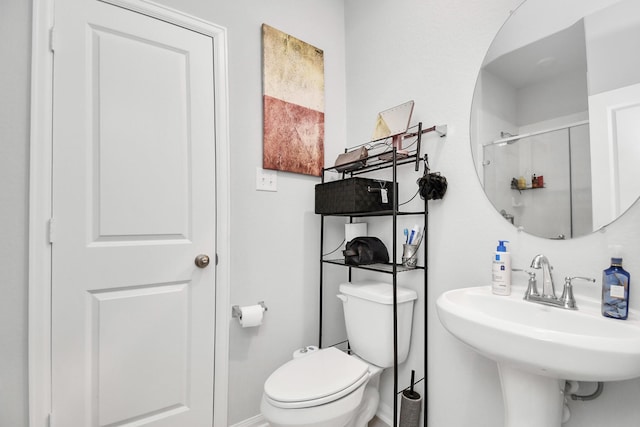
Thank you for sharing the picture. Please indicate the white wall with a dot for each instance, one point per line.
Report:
(617, 25)
(434, 51)
(538, 22)
(562, 96)
(427, 50)
(15, 50)
(493, 114)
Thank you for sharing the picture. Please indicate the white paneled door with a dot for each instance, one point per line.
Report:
(614, 135)
(133, 206)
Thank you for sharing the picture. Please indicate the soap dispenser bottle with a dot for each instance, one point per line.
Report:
(615, 290)
(501, 270)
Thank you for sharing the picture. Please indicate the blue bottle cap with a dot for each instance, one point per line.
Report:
(501, 247)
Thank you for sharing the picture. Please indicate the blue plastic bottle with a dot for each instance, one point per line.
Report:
(615, 291)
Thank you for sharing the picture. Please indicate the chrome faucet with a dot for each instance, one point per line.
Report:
(567, 299)
(548, 289)
(548, 296)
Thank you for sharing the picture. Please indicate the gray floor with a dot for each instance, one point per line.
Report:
(376, 422)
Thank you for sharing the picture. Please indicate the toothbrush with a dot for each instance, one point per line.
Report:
(406, 236)
(413, 234)
(418, 238)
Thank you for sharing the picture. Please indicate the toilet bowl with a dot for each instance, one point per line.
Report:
(329, 388)
(326, 389)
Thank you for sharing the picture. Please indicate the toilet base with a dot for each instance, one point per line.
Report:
(368, 407)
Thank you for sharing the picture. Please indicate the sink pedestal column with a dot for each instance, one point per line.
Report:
(530, 400)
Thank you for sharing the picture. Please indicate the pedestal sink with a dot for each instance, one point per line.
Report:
(538, 347)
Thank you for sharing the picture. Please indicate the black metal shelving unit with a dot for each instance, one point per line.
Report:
(392, 160)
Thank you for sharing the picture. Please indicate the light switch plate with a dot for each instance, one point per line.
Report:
(266, 180)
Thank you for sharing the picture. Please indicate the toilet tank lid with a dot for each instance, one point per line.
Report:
(379, 292)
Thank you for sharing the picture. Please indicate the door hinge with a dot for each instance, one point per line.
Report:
(216, 259)
(52, 230)
(52, 45)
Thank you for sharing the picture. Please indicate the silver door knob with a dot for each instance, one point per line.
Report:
(202, 260)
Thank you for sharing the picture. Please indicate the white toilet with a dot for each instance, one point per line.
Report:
(329, 388)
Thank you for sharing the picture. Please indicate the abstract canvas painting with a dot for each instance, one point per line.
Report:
(293, 102)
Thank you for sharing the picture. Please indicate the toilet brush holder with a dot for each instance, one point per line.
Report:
(410, 409)
(410, 406)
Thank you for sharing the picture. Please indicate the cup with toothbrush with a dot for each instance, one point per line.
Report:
(413, 239)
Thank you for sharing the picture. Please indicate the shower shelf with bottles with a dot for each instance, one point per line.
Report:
(520, 190)
(389, 160)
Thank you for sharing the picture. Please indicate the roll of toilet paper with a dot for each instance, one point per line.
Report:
(251, 316)
(304, 351)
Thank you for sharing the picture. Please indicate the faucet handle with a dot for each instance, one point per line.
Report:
(567, 298)
(532, 286)
(529, 272)
(588, 279)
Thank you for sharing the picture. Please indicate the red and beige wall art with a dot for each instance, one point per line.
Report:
(293, 97)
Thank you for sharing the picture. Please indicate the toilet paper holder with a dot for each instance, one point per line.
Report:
(236, 312)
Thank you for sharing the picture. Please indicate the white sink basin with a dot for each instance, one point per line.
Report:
(568, 344)
(538, 347)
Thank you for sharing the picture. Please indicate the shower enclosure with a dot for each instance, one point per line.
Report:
(561, 206)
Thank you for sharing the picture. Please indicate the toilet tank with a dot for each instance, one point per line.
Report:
(368, 315)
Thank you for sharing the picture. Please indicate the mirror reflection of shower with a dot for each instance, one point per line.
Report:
(558, 159)
(504, 134)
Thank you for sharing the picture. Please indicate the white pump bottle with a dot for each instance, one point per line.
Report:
(501, 272)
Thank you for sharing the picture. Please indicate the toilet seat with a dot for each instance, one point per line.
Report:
(317, 379)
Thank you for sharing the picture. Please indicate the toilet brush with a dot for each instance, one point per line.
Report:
(410, 406)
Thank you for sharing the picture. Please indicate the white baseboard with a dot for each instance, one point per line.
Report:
(384, 413)
(257, 421)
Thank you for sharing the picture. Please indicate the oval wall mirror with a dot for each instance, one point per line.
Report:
(555, 118)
